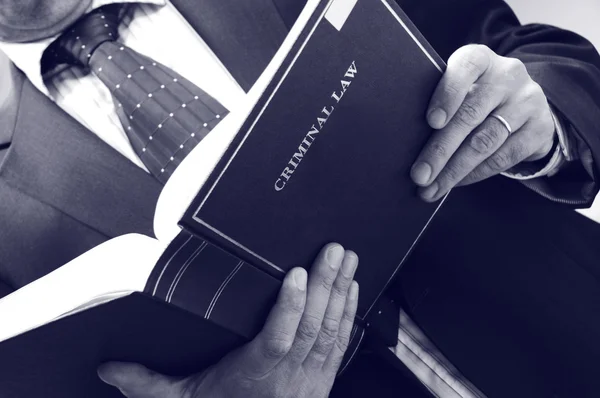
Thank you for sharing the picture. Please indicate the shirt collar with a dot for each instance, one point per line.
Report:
(28, 56)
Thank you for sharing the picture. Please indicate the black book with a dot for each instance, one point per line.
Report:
(321, 152)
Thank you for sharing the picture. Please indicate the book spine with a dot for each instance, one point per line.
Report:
(197, 277)
(201, 278)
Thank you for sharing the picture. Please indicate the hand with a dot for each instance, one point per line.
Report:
(469, 145)
(297, 354)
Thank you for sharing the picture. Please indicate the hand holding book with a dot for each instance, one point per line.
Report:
(490, 116)
(298, 352)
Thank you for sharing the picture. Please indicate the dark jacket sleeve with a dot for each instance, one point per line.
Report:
(566, 65)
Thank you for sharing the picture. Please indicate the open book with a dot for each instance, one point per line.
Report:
(320, 152)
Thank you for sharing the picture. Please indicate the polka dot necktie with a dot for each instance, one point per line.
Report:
(164, 115)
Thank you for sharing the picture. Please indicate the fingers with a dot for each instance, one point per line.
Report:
(307, 331)
(459, 104)
(323, 274)
(330, 327)
(277, 336)
(137, 381)
(465, 67)
(482, 143)
(333, 362)
(481, 100)
(311, 319)
(515, 150)
(469, 145)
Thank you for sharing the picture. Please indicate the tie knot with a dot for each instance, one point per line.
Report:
(78, 42)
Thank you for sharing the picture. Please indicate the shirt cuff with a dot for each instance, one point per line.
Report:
(562, 153)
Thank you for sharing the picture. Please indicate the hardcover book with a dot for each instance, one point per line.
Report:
(320, 152)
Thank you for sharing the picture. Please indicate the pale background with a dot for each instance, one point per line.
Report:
(580, 16)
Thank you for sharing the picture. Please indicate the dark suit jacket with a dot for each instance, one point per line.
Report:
(64, 191)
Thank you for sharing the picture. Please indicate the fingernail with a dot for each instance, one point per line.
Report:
(437, 118)
(421, 173)
(350, 264)
(105, 374)
(353, 293)
(103, 377)
(430, 192)
(300, 279)
(334, 256)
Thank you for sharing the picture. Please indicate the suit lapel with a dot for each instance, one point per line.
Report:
(243, 34)
(56, 160)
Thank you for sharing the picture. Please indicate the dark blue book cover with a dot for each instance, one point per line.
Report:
(324, 156)
(326, 153)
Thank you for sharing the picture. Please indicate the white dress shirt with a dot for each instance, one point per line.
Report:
(154, 28)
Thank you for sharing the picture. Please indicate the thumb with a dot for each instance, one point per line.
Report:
(137, 381)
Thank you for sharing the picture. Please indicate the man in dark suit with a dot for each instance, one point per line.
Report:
(511, 272)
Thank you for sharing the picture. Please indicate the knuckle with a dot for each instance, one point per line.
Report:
(476, 175)
(499, 162)
(296, 308)
(476, 58)
(534, 93)
(308, 330)
(537, 90)
(470, 64)
(330, 328)
(503, 160)
(327, 281)
(515, 67)
(322, 349)
(482, 91)
(469, 114)
(437, 150)
(340, 288)
(485, 140)
(277, 348)
(482, 50)
(450, 175)
(451, 91)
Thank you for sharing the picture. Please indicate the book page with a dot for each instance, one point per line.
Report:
(111, 270)
(191, 174)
